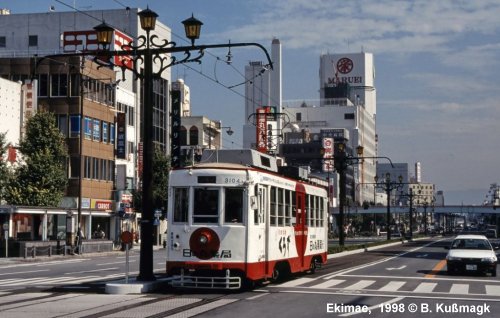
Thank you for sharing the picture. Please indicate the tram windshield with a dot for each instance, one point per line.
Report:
(206, 205)
(234, 205)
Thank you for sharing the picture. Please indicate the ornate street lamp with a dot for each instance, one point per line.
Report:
(388, 186)
(146, 51)
(192, 27)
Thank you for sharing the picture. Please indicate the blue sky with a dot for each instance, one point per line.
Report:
(437, 66)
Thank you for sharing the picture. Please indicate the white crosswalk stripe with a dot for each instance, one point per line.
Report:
(459, 289)
(329, 283)
(446, 287)
(392, 286)
(493, 290)
(55, 280)
(425, 288)
(360, 285)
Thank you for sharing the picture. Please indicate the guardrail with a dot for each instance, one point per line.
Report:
(34, 249)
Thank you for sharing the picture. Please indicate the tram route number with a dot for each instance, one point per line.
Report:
(233, 180)
(222, 254)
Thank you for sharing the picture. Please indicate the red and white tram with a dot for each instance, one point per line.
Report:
(233, 223)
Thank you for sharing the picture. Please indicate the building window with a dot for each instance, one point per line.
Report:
(88, 128)
(298, 116)
(130, 115)
(87, 163)
(2, 41)
(33, 40)
(59, 85)
(74, 121)
(75, 84)
(349, 116)
(62, 124)
(112, 134)
(183, 136)
(97, 130)
(105, 132)
(193, 136)
(74, 167)
(43, 85)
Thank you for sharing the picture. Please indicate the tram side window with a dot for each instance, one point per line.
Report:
(273, 212)
(234, 205)
(316, 209)
(312, 209)
(206, 205)
(308, 210)
(294, 208)
(281, 207)
(255, 211)
(321, 212)
(288, 211)
(181, 201)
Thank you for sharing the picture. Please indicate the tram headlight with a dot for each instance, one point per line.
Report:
(203, 239)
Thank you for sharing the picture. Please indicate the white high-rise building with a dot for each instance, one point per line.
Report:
(263, 89)
(347, 101)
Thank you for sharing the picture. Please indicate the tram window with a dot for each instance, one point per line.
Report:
(273, 211)
(181, 200)
(206, 205)
(281, 208)
(294, 208)
(308, 210)
(287, 207)
(234, 205)
(321, 212)
(315, 222)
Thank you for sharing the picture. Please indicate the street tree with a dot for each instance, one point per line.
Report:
(161, 169)
(5, 175)
(41, 178)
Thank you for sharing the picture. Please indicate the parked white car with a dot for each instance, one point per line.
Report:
(471, 253)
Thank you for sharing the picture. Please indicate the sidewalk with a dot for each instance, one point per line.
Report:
(17, 260)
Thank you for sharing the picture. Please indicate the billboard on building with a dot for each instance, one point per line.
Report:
(327, 144)
(261, 128)
(86, 40)
(355, 69)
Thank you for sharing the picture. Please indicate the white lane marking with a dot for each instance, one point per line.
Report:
(93, 271)
(360, 285)
(43, 264)
(459, 289)
(329, 283)
(392, 286)
(492, 290)
(341, 272)
(395, 268)
(114, 263)
(297, 282)
(26, 272)
(258, 296)
(374, 306)
(425, 288)
(422, 255)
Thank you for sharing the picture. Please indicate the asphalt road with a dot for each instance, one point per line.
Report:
(398, 281)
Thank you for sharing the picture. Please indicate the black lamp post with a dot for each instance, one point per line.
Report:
(388, 186)
(146, 51)
(341, 160)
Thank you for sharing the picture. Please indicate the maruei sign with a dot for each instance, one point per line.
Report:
(355, 69)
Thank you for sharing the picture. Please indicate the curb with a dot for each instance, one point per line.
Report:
(372, 248)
